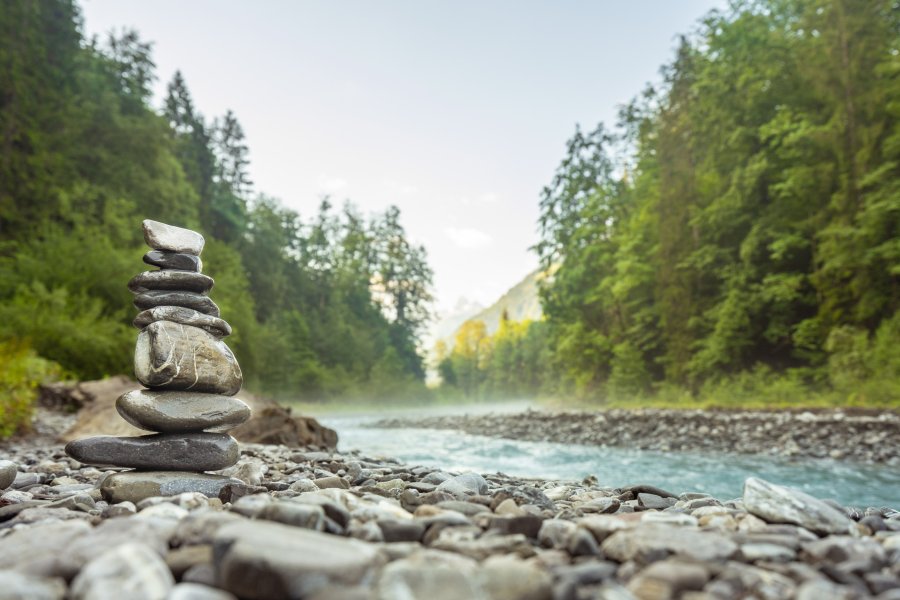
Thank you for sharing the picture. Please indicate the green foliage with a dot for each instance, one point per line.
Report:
(21, 371)
(749, 243)
(322, 306)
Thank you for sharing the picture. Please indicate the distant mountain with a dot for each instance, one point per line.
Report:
(521, 302)
(447, 323)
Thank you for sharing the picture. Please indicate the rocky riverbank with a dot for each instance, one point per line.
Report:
(853, 435)
(298, 523)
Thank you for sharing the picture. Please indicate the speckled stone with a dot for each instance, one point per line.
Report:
(171, 356)
(164, 451)
(192, 300)
(170, 280)
(180, 412)
(186, 316)
(174, 260)
(160, 236)
(134, 486)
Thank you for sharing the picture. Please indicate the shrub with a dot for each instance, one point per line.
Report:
(21, 371)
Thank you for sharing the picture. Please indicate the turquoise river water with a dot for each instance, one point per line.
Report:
(721, 475)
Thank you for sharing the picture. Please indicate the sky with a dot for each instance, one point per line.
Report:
(455, 111)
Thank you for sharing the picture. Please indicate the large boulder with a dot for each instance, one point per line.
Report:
(97, 415)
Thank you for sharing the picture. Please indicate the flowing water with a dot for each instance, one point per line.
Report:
(719, 474)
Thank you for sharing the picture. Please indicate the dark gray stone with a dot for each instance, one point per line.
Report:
(260, 560)
(174, 260)
(134, 486)
(180, 357)
(8, 470)
(163, 451)
(181, 412)
(155, 298)
(171, 280)
(401, 530)
(185, 316)
(160, 236)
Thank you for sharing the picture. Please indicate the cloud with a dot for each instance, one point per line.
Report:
(466, 237)
(400, 188)
(331, 185)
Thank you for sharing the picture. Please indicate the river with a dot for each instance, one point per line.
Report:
(722, 475)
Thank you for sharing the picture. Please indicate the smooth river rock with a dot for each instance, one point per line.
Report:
(171, 280)
(160, 236)
(185, 316)
(134, 486)
(261, 560)
(779, 504)
(19, 586)
(164, 451)
(155, 298)
(174, 260)
(8, 470)
(181, 412)
(132, 571)
(172, 356)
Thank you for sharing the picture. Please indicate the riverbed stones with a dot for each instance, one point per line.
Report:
(779, 504)
(166, 451)
(192, 376)
(185, 316)
(180, 357)
(181, 412)
(174, 260)
(131, 571)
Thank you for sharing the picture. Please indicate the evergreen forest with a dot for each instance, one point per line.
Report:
(323, 305)
(735, 237)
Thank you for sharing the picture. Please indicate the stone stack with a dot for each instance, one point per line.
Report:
(191, 378)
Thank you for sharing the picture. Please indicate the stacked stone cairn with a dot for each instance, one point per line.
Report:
(190, 375)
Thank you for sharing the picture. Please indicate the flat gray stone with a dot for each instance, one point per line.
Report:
(643, 541)
(181, 412)
(8, 470)
(171, 280)
(160, 236)
(19, 586)
(180, 357)
(162, 451)
(132, 571)
(34, 550)
(186, 316)
(778, 504)
(259, 560)
(174, 260)
(135, 486)
(155, 298)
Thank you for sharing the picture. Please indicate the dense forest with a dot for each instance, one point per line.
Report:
(327, 304)
(736, 234)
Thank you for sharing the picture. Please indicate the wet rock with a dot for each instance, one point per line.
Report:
(132, 571)
(163, 451)
(161, 236)
(258, 560)
(8, 472)
(171, 280)
(181, 357)
(19, 586)
(194, 301)
(778, 504)
(184, 316)
(181, 412)
(134, 486)
(174, 260)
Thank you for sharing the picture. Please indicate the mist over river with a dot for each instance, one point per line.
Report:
(720, 474)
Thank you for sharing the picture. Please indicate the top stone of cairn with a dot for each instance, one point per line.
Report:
(160, 236)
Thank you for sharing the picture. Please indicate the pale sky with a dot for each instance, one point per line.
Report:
(456, 111)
